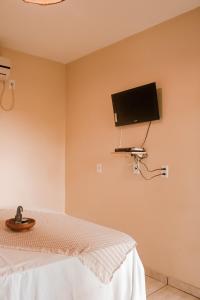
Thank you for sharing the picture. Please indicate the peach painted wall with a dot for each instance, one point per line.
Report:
(163, 215)
(32, 136)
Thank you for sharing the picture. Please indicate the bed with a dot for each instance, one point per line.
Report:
(46, 275)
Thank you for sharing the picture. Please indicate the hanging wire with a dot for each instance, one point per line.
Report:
(148, 170)
(147, 132)
(148, 178)
(139, 161)
(12, 105)
(120, 138)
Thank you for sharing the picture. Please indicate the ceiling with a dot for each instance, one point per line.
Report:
(74, 28)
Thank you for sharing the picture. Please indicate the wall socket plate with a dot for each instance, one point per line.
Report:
(11, 84)
(136, 170)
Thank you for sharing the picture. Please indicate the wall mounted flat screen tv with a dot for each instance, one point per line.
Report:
(136, 105)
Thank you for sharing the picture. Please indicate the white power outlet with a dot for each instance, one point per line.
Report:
(136, 170)
(11, 84)
(165, 171)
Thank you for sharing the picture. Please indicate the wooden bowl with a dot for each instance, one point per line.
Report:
(27, 223)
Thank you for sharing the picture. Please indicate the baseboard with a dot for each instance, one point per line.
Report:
(178, 284)
(185, 287)
(156, 275)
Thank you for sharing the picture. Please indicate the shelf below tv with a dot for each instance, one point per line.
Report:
(140, 152)
(130, 149)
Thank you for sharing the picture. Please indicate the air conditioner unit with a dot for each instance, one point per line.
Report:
(5, 67)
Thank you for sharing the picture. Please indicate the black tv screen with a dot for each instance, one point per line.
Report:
(136, 105)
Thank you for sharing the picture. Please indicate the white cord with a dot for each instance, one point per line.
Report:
(120, 138)
(12, 105)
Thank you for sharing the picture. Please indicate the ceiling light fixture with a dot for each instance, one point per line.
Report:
(43, 2)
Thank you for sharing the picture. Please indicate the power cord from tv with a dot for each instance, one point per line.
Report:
(146, 135)
(147, 132)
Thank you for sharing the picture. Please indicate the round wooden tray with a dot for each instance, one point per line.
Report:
(27, 223)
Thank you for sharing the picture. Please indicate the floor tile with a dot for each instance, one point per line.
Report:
(153, 285)
(169, 293)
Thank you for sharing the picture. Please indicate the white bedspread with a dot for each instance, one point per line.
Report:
(42, 276)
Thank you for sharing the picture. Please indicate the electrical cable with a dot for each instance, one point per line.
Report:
(148, 178)
(12, 105)
(147, 132)
(148, 170)
(120, 139)
(138, 160)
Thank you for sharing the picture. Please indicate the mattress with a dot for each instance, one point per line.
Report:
(43, 276)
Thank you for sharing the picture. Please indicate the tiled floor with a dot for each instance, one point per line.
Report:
(156, 290)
